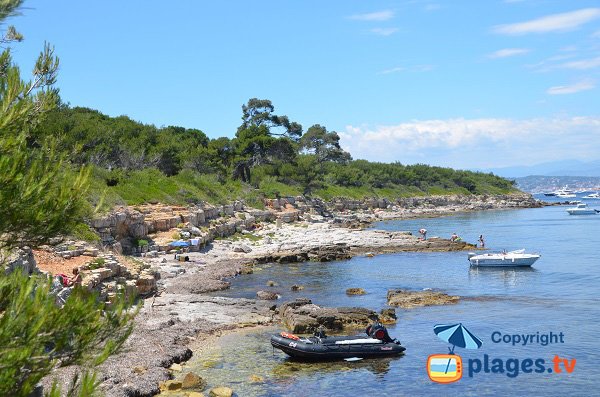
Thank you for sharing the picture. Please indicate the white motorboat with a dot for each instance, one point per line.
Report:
(516, 258)
(592, 196)
(582, 209)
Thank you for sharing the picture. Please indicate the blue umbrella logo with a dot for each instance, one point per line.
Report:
(457, 335)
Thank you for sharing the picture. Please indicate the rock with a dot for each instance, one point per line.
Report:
(221, 391)
(20, 258)
(195, 394)
(246, 270)
(302, 316)
(409, 299)
(242, 248)
(355, 291)
(256, 379)
(176, 367)
(271, 283)
(193, 381)
(170, 385)
(146, 284)
(297, 287)
(103, 273)
(139, 370)
(388, 316)
(267, 295)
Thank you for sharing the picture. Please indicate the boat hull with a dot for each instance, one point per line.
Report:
(582, 212)
(504, 262)
(332, 351)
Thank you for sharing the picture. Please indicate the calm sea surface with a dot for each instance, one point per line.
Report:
(561, 293)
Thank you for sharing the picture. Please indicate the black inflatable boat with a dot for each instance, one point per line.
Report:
(377, 343)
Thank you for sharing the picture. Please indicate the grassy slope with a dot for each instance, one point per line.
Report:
(149, 186)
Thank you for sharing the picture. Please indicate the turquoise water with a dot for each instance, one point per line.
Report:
(560, 294)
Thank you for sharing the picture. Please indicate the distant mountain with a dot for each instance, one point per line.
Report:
(552, 168)
(544, 184)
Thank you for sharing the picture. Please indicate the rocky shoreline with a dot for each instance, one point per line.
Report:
(180, 314)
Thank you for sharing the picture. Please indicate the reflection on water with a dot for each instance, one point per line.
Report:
(558, 294)
(509, 276)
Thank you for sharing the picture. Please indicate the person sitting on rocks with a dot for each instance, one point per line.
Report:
(76, 279)
(454, 237)
(423, 233)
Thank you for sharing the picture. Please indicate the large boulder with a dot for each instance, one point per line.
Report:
(20, 258)
(408, 299)
(302, 316)
(193, 381)
(221, 391)
(355, 291)
(146, 284)
(267, 295)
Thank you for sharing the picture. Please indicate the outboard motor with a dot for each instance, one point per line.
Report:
(378, 331)
(320, 332)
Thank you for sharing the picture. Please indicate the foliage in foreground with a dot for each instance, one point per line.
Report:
(37, 336)
(38, 200)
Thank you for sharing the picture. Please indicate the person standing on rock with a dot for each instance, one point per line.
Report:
(481, 242)
(423, 233)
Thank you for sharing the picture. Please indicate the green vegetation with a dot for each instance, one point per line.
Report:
(134, 163)
(39, 200)
(97, 263)
(81, 231)
(241, 236)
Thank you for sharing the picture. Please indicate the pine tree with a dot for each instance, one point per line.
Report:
(40, 198)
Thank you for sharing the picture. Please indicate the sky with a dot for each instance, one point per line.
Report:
(462, 84)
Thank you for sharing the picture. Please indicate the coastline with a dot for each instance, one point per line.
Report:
(181, 318)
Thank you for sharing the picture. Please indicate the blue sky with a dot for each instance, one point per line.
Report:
(465, 84)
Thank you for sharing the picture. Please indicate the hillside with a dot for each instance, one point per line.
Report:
(269, 156)
(542, 184)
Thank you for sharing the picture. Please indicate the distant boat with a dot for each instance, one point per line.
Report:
(516, 258)
(592, 196)
(550, 194)
(565, 193)
(582, 209)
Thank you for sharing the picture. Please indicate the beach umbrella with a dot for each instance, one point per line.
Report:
(457, 335)
(179, 244)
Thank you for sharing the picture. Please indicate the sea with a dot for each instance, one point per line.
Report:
(556, 303)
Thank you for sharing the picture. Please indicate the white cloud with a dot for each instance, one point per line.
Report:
(393, 70)
(384, 31)
(551, 23)
(508, 52)
(417, 68)
(582, 64)
(475, 143)
(583, 85)
(385, 15)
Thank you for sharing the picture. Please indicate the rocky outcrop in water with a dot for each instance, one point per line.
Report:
(302, 316)
(410, 299)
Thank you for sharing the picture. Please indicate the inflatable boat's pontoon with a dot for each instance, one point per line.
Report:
(377, 343)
